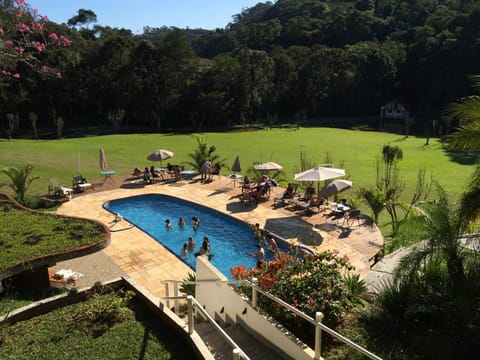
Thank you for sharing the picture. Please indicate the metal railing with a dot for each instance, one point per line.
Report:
(317, 322)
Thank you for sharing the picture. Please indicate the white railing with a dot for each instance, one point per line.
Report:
(317, 322)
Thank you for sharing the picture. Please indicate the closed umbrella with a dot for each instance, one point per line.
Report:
(235, 168)
(103, 160)
(268, 166)
(335, 187)
(319, 173)
(236, 165)
(160, 155)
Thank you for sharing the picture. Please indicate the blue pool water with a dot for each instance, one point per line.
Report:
(230, 240)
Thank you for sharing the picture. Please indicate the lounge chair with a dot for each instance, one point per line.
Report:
(350, 217)
(55, 188)
(289, 194)
(80, 184)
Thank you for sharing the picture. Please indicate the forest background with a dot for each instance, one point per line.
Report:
(307, 62)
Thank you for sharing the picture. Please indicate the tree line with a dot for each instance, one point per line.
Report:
(293, 61)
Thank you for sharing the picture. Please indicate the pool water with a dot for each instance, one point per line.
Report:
(231, 241)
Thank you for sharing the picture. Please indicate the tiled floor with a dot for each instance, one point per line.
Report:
(136, 254)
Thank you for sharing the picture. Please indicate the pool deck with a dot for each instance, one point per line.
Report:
(136, 254)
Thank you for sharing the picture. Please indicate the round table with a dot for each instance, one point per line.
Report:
(235, 177)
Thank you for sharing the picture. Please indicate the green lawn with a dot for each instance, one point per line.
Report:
(356, 150)
(103, 327)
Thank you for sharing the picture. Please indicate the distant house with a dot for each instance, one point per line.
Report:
(393, 116)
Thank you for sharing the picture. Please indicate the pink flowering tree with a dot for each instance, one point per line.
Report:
(23, 38)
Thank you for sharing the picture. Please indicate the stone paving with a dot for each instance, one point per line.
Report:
(136, 254)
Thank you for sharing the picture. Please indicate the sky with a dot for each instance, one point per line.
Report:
(135, 14)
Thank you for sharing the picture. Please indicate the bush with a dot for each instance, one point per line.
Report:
(311, 283)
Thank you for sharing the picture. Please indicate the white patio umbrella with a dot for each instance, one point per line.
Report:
(160, 155)
(319, 173)
(268, 166)
(335, 187)
(103, 160)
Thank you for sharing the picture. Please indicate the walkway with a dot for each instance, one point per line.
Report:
(136, 254)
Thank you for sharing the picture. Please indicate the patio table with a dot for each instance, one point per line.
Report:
(107, 173)
(235, 177)
(188, 174)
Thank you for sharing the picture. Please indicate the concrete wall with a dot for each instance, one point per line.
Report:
(224, 303)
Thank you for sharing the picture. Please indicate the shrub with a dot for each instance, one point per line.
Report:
(311, 283)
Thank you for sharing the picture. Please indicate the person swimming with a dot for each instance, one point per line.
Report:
(196, 222)
(184, 251)
(181, 222)
(168, 223)
(260, 254)
(191, 243)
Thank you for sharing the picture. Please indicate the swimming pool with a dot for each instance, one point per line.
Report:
(231, 240)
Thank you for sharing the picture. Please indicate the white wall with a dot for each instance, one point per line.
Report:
(213, 297)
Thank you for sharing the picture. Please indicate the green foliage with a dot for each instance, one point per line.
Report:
(25, 235)
(102, 312)
(188, 289)
(204, 153)
(311, 283)
(55, 335)
(20, 179)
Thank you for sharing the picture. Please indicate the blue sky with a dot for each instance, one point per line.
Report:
(135, 14)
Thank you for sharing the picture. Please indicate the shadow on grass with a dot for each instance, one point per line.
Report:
(462, 158)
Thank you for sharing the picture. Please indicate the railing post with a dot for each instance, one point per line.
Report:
(190, 314)
(175, 293)
(318, 335)
(236, 354)
(254, 292)
(167, 294)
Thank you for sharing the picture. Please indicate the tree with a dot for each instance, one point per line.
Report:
(389, 182)
(21, 179)
(23, 39)
(466, 111)
(13, 122)
(83, 17)
(202, 153)
(438, 225)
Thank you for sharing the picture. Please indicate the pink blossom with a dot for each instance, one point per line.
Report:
(37, 26)
(16, 75)
(1, 31)
(21, 2)
(65, 41)
(22, 27)
(9, 42)
(6, 72)
(336, 252)
(19, 49)
(38, 45)
(53, 36)
(44, 18)
(35, 11)
(58, 74)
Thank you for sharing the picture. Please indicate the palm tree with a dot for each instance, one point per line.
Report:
(21, 179)
(202, 153)
(466, 112)
(439, 226)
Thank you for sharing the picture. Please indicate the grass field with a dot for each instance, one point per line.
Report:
(356, 151)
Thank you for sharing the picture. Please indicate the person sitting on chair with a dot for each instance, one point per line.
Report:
(137, 172)
(155, 173)
(288, 194)
(147, 176)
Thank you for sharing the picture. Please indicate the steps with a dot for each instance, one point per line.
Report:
(254, 348)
